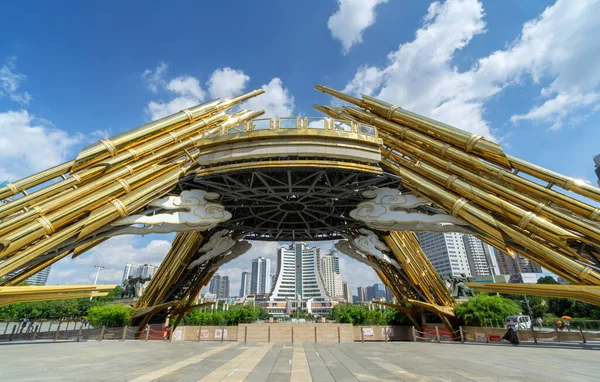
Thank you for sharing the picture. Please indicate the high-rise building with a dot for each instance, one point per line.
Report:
(519, 264)
(361, 292)
(597, 165)
(219, 285)
(145, 271)
(40, 278)
(261, 276)
(389, 296)
(298, 274)
(375, 291)
(329, 268)
(347, 292)
(245, 284)
(478, 256)
(126, 272)
(446, 251)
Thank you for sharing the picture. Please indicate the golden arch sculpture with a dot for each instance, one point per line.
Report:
(369, 174)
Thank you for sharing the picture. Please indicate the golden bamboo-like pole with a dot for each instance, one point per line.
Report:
(184, 247)
(444, 150)
(31, 181)
(459, 138)
(589, 230)
(109, 147)
(493, 231)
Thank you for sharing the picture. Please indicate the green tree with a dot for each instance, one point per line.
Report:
(482, 306)
(109, 315)
(547, 280)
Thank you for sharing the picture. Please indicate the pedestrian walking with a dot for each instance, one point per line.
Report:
(539, 322)
(511, 332)
(559, 325)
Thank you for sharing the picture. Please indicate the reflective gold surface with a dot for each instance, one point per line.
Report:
(513, 205)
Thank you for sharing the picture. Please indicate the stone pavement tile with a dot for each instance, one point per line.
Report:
(283, 363)
(279, 377)
(336, 368)
(263, 369)
(228, 369)
(358, 371)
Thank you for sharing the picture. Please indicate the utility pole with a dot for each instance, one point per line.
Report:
(528, 307)
(97, 274)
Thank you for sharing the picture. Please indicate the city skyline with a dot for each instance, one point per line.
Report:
(514, 104)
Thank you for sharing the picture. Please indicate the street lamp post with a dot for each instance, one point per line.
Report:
(97, 274)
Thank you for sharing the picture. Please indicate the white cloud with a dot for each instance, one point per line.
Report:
(559, 46)
(113, 255)
(224, 82)
(28, 145)
(419, 75)
(155, 78)
(227, 82)
(351, 19)
(276, 101)
(188, 93)
(187, 86)
(10, 81)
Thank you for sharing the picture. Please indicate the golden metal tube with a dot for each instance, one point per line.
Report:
(132, 201)
(524, 219)
(589, 230)
(157, 143)
(448, 200)
(460, 208)
(46, 225)
(29, 254)
(31, 181)
(44, 193)
(334, 113)
(459, 138)
(343, 96)
(565, 182)
(466, 141)
(33, 269)
(111, 146)
(98, 219)
(177, 150)
(443, 150)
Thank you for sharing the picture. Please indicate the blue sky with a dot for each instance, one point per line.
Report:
(522, 73)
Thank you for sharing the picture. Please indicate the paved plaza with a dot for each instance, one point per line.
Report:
(235, 361)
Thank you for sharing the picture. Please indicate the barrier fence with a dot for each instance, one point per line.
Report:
(490, 335)
(320, 333)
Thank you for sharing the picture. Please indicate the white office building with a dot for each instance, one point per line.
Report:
(298, 274)
(245, 284)
(261, 276)
(330, 274)
(347, 292)
(446, 251)
(145, 271)
(478, 255)
(39, 279)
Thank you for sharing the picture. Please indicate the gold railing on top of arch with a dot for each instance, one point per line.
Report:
(285, 123)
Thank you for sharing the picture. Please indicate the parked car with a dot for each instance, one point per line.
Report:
(523, 321)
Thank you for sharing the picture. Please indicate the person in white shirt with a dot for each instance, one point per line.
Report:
(511, 333)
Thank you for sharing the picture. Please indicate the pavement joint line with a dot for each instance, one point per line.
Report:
(244, 363)
(181, 364)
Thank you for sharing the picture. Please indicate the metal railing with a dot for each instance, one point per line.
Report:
(285, 123)
(491, 335)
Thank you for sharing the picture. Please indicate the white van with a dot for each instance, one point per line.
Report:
(523, 321)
